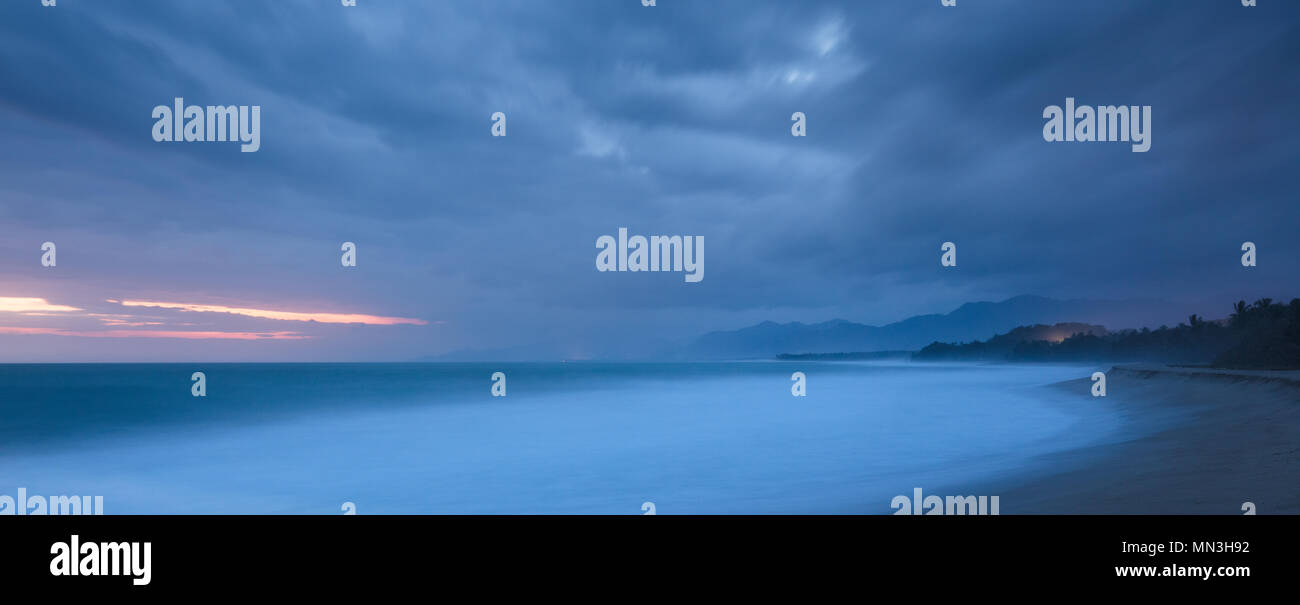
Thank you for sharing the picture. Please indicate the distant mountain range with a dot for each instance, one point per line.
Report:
(971, 321)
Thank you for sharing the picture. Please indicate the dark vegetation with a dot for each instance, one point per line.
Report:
(1262, 335)
(1005, 346)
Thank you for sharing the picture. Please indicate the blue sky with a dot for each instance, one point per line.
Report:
(924, 126)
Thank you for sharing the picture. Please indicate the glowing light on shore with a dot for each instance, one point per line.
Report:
(325, 318)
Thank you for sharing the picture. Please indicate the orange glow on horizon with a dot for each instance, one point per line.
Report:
(31, 305)
(208, 335)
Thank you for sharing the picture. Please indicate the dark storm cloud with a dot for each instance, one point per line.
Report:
(924, 127)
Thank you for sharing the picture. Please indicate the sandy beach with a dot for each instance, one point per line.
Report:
(1202, 442)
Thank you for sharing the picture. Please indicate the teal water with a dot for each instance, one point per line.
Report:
(567, 438)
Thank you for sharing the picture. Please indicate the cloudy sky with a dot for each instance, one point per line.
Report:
(924, 125)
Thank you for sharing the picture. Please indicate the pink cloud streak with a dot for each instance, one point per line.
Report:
(328, 318)
(194, 335)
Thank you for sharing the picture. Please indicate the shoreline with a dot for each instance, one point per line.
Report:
(1199, 441)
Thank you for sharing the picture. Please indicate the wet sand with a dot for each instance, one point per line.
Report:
(1204, 442)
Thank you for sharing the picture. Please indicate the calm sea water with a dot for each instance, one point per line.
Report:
(568, 438)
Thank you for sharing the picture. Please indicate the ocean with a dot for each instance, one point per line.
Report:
(567, 438)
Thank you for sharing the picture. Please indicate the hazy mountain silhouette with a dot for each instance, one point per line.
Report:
(971, 321)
